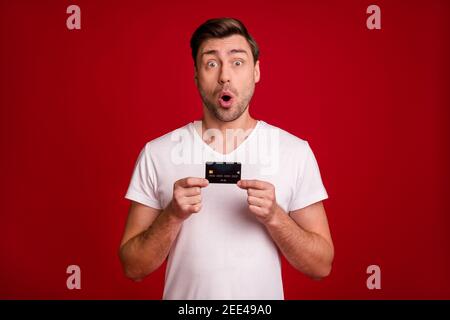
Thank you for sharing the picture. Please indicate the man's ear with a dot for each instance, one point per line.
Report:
(257, 73)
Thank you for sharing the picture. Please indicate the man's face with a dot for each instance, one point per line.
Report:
(226, 75)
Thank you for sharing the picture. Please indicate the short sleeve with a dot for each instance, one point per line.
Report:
(143, 184)
(309, 188)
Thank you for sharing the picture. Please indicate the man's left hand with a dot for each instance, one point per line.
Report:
(261, 199)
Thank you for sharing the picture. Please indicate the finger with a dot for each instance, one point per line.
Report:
(195, 208)
(192, 200)
(193, 182)
(259, 202)
(254, 184)
(256, 210)
(257, 193)
(188, 192)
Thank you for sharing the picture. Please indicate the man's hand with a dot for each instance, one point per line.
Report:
(187, 197)
(150, 233)
(261, 199)
(304, 239)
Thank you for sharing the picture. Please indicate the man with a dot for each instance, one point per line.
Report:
(221, 240)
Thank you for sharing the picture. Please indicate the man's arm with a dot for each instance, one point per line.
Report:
(304, 238)
(148, 236)
(149, 232)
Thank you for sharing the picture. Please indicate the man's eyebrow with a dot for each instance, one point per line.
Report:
(209, 52)
(238, 51)
(232, 51)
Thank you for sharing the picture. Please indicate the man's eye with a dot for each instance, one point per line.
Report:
(212, 64)
(238, 63)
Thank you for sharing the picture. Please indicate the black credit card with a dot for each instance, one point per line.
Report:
(223, 172)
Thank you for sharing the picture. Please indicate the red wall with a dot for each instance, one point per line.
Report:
(77, 106)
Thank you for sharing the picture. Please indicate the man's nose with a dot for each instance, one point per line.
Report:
(224, 75)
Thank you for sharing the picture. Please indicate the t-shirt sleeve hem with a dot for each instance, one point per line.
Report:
(308, 201)
(139, 197)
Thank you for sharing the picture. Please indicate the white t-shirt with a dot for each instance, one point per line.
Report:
(223, 252)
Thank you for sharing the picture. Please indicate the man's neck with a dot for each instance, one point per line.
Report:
(244, 122)
(241, 126)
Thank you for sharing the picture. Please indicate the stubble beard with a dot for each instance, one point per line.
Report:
(227, 115)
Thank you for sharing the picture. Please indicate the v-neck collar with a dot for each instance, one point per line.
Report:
(224, 155)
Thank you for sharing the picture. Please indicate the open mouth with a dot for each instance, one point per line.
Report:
(226, 100)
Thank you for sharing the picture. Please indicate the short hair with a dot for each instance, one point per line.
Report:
(221, 28)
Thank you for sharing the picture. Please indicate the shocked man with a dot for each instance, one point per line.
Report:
(221, 238)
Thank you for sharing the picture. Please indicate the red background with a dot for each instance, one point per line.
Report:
(78, 106)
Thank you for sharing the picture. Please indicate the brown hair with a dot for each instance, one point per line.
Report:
(221, 28)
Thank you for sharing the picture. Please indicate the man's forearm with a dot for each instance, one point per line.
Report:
(145, 252)
(308, 252)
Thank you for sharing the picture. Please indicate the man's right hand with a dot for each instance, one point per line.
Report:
(150, 232)
(186, 198)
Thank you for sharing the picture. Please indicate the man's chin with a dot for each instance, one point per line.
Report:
(227, 115)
